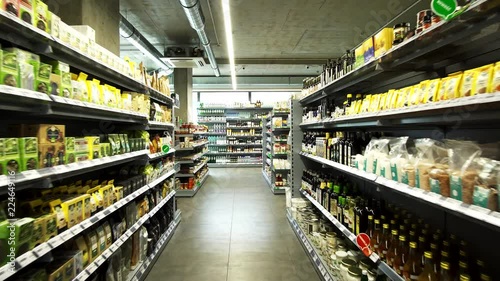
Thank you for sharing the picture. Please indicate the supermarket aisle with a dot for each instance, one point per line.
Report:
(234, 229)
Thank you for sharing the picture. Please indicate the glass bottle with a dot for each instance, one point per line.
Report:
(334, 199)
(422, 247)
(464, 277)
(402, 255)
(463, 268)
(428, 273)
(370, 227)
(385, 241)
(412, 267)
(377, 235)
(392, 250)
(361, 218)
(445, 274)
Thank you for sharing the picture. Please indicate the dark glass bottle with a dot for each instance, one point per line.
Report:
(413, 267)
(402, 256)
(377, 235)
(428, 273)
(392, 249)
(361, 218)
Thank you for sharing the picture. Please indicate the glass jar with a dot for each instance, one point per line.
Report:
(365, 264)
(323, 244)
(313, 226)
(316, 237)
(344, 267)
(354, 274)
(400, 31)
(331, 239)
(339, 256)
(372, 274)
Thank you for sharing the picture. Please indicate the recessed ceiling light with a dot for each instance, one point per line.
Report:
(229, 40)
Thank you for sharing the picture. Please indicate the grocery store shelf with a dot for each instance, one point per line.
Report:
(281, 128)
(275, 169)
(478, 108)
(319, 265)
(278, 191)
(213, 134)
(471, 212)
(194, 158)
(190, 175)
(441, 45)
(234, 153)
(142, 271)
(266, 178)
(234, 165)
(277, 140)
(238, 144)
(160, 97)
(160, 154)
(92, 267)
(268, 162)
(280, 113)
(237, 108)
(212, 122)
(242, 128)
(195, 145)
(44, 248)
(280, 154)
(191, 135)
(242, 119)
(153, 125)
(164, 176)
(192, 192)
(254, 136)
(64, 171)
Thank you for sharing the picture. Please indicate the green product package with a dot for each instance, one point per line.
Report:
(9, 74)
(26, 12)
(29, 64)
(42, 80)
(480, 197)
(435, 186)
(10, 157)
(63, 69)
(456, 187)
(70, 156)
(28, 148)
(41, 15)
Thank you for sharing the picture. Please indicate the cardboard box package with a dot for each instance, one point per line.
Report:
(9, 73)
(369, 51)
(46, 133)
(383, 41)
(26, 11)
(41, 15)
(11, 6)
(94, 149)
(28, 148)
(54, 24)
(42, 79)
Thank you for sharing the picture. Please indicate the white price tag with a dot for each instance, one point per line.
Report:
(59, 169)
(33, 174)
(41, 250)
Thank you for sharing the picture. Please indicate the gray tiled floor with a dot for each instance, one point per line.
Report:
(234, 229)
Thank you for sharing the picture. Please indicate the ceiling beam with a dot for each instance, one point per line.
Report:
(273, 61)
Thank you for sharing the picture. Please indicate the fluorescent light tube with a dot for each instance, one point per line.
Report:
(229, 40)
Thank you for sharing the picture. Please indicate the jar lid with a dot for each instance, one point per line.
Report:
(347, 262)
(365, 262)
(331, 234)
(341, 254)
(355, 271)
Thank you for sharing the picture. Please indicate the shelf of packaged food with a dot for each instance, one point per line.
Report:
(422, 51)
(191, 135)
(252, 136)
(44, 248)
(475, 213)
(190, 175)
(64, 171)
(234, 165)
(281, 154)
(142, 270)
(236, 108)
(478, 108)
(266, 178)
(349, 235)
(280, 169)
(49, 105)
(242, 119)
(237, 144)
(280, 128)
(164, 176)
(213, 122)
(195, 145)
(280, 113)
(234, 153)
(153, 125)
(214, 134)
(193, 158)
(192, 192)
(160, 154)
(160, 97)
(319, 265)
(278, 190)
(92, 267)
(243, 128)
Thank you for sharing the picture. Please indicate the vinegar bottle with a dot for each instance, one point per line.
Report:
(412, 267)
(428, 273)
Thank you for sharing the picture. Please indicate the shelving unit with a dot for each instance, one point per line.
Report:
(270, 133)
(233, 128)
(443, 49)
(80, 119)
(192, 143)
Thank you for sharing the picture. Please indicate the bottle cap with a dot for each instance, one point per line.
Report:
(413, 245)
(464, 277)
(402, 238)
(377, 221)
(445, 265)
(385, 226)
(428, 254)
(394, 232)
(349, 96)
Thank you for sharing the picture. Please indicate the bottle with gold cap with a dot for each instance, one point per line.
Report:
(385, 241)
(464, 277)
(445, 274)
(392, 249)
(401, 256)
(463, 268)
(428, 273)
(377, 235)
(370, 228)
(413, 266)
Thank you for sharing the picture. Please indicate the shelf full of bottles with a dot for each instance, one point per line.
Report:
(191, 152)
(234, 135)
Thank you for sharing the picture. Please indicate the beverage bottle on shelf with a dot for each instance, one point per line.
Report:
(445, 273)
(434, 248)
(348, 150)
(428, 273)
(347, 213)
(341, 159)
(377, 235)
(385, 241)
(413, 266)
(334, 199)
(402, 255)
(361, 218)
(340, 209)
(463, 269)
(370, 226)
(392, 249)
(326, 194)
(422, 247)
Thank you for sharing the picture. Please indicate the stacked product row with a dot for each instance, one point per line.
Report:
(82, 38)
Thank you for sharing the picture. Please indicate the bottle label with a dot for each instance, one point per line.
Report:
(456, 187)
(413, 277)
(394, 172)
(348, 156)
(480, 196)
(357, 225)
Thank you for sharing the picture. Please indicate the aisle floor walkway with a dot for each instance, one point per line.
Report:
(234, 229)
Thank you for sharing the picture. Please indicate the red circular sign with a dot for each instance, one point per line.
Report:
(363, 241)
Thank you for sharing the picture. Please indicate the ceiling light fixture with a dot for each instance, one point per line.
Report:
(229, 40)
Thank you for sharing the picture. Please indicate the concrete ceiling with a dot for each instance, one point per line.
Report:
(271, 37)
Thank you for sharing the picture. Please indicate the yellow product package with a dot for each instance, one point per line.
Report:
(495, 80)
(430, 94)
(381, 105)
(366, 104)
(414, 95)
(466, 87)
(452, 86)
(374, 103)
(403, 97)
(482, 80)
(388, 99)
(423, 87)
(441, 93)
(94, 92)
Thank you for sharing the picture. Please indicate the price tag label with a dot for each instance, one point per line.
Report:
(59, 169)
(41, 250)
(33, 174)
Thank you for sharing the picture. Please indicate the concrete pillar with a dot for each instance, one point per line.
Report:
(102, 16)
(183, 83)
